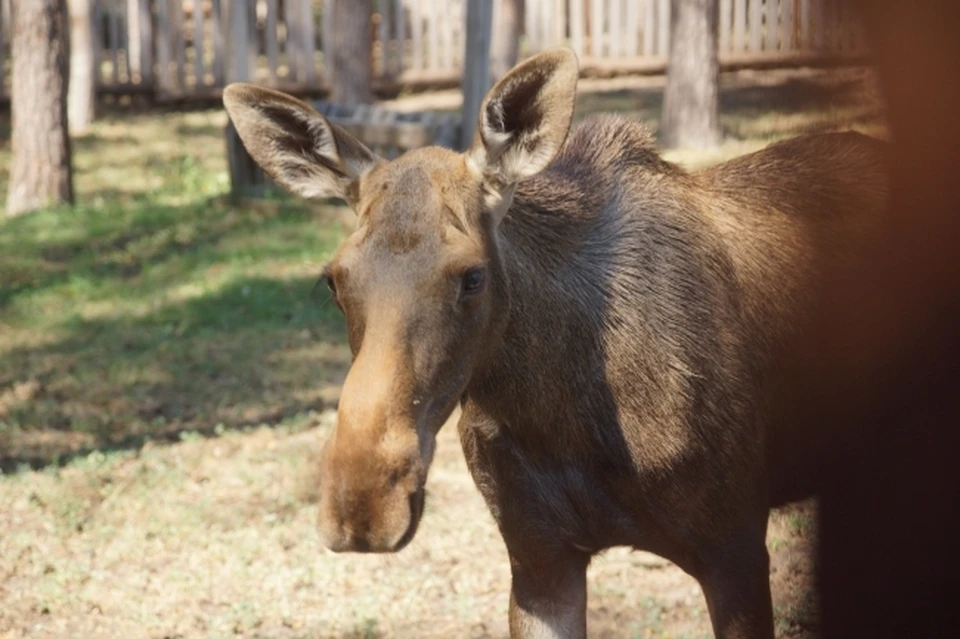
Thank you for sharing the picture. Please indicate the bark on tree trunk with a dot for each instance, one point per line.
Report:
(40, 174)
(81, 98)
(506, 36)
(691, 111)
(351, 71)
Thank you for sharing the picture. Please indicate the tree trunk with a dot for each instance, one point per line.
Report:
(81, 98)
(40, 174)
(506, 36)
(351, 71)
(691, 110)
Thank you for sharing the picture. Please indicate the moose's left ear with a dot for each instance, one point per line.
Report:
(525, 117)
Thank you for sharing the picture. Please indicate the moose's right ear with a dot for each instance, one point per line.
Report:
(296, 146)
(525, 117)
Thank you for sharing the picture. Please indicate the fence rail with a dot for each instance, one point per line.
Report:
(173, 48)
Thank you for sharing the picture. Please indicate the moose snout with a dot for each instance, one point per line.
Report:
(369, 522)
(369, 501)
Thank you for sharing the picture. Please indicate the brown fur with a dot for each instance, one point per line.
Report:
(617, 374)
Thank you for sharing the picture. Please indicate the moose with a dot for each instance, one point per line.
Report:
(610, 324)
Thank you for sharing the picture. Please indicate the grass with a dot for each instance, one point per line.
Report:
(158, 305)
(167, 371)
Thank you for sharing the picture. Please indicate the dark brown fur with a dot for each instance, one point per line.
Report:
(617, 375)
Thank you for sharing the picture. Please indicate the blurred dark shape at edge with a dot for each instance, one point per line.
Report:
(880, 364)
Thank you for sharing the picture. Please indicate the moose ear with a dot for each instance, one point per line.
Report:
(296, 146)
(525, 117)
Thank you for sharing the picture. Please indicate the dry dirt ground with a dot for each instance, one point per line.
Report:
(213, 537)
(156, 309)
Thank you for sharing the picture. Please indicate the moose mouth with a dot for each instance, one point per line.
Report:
(417, 500)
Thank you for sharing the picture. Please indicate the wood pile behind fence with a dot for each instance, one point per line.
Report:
(184, 48)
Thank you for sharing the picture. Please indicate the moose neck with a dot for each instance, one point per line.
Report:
(556, 272)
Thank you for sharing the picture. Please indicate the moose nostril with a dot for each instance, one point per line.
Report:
(360, 545)
(394, 478)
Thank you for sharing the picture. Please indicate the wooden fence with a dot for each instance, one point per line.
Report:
(172, 48)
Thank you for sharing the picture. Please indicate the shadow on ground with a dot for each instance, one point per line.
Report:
(753, 104)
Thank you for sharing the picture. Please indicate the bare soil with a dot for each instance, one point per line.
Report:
(214, 537)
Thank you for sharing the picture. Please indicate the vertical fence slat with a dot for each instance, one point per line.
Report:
(416, 32)
(401, 21)
(725, 16)
(433, 35)
(238, 40)
(632, 39)
(383, 35)
(113, 40)
(649, 27)
(544, 23)
(131, 39)
(576, 26)
(291, 42)
(124, 41)
(739, 25)
(198, 48)
(663, 27)
(308, 33)
(179, 41)
(560, 21)
(446, 35)
(145, 33)
(787, 8)
(326, 37)
(99, 33)
(616, 28)
(448, 55)
(769, 21)
(253, 46)
(532, 9)
(546, 20)
(217, 40)
(596, 28)
(271, 35)
(753, 25)
(162, 38)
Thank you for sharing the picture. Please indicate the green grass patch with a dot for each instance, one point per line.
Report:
(157, 304)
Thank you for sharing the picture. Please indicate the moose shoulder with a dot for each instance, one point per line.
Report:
(611, 325)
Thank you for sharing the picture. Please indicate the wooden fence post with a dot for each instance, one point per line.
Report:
(476, 65)
(239, 41)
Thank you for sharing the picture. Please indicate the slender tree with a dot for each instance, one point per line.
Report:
(81, 98)
(351, 60)
(506, 36)
(691, 111)
(41, 173)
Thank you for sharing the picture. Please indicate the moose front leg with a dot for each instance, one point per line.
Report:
(736, 584)
(548, 599)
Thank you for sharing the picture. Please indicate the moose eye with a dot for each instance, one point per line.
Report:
(473, 281)
(332, 286)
